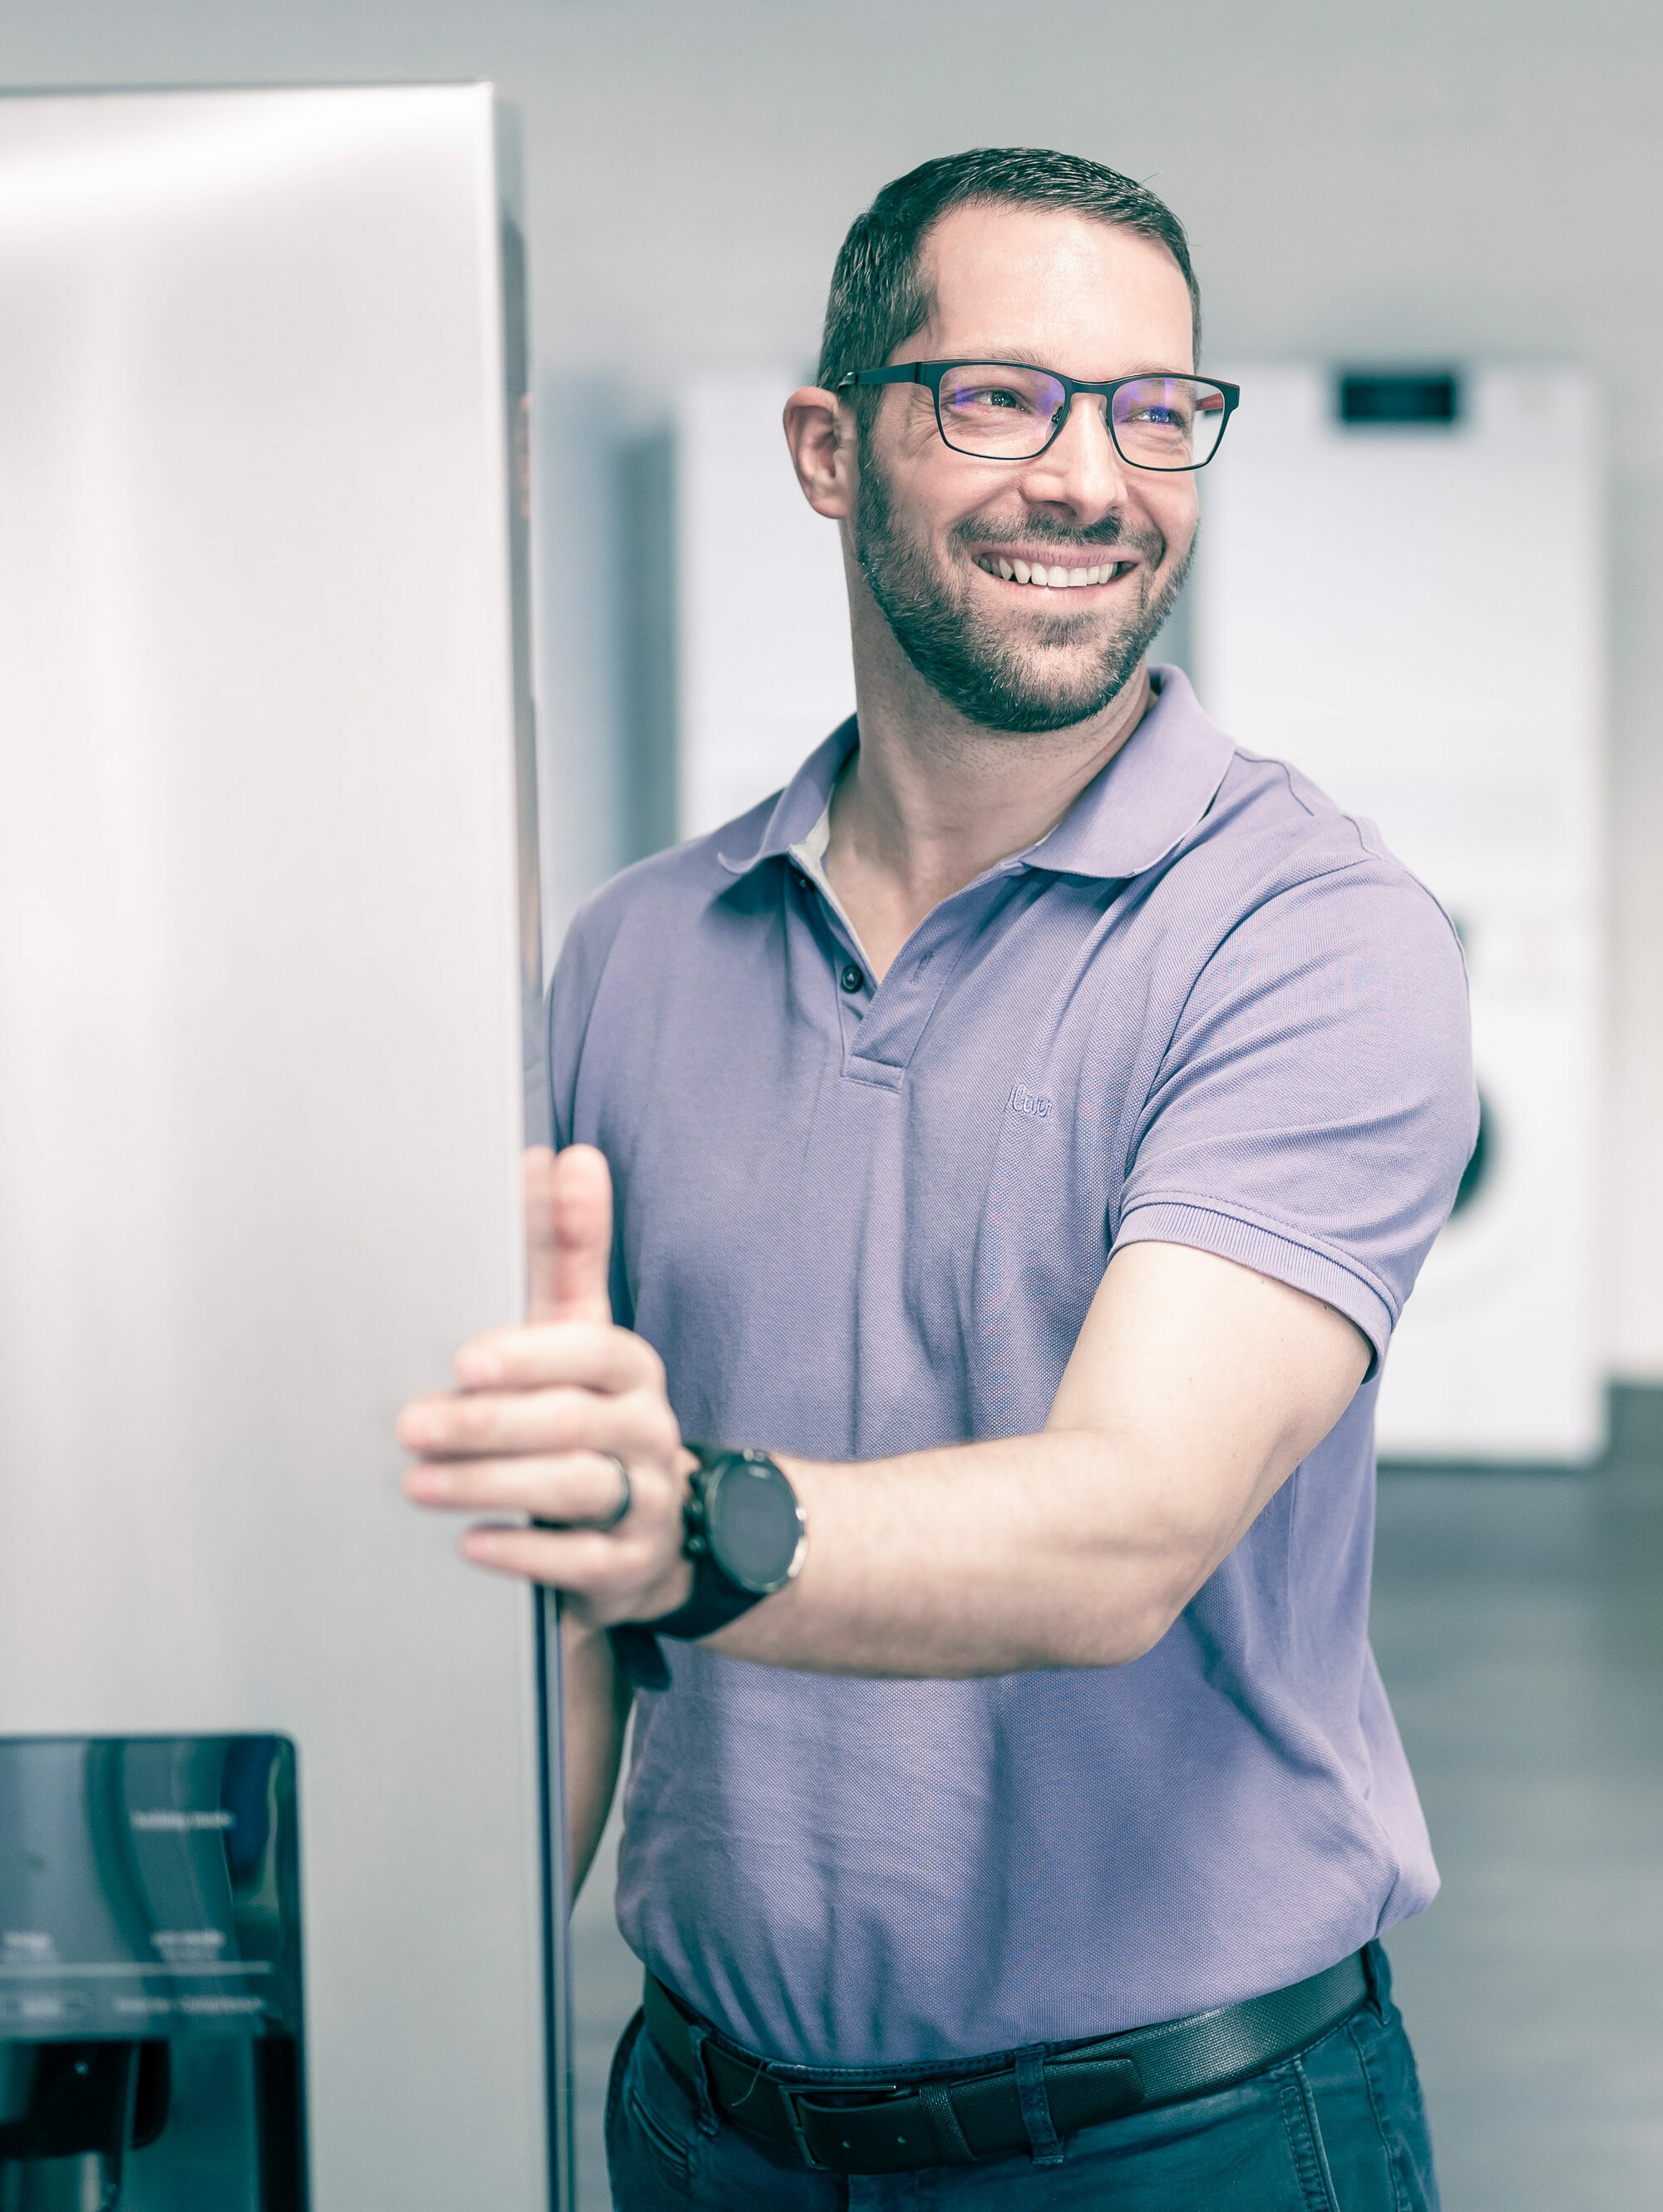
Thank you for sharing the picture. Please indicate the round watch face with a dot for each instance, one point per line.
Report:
(755, 1525)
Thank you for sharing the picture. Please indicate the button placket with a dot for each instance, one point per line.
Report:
(852, 987)
(899, 1008)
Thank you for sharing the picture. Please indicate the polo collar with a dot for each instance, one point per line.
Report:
(1128, 818)
(803, 801)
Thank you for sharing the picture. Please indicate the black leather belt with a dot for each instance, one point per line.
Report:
(975, 2113)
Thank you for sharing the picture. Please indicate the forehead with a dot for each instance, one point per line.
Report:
(1091, 299)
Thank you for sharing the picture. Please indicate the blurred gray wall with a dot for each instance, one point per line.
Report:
(1467, 177)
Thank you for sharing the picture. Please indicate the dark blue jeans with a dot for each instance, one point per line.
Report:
(1339, 2129)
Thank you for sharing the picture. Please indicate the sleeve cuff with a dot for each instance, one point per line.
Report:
(1267, 1253)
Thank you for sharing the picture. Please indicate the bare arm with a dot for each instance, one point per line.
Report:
(595, 1699)
(1195, 1389)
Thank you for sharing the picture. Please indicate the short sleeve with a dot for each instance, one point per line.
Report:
(569, 1004)
(1314, 1113)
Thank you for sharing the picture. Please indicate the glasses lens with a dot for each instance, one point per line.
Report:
(987, 407)
(1168, 421)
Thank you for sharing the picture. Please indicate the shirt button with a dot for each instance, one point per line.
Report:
(851, 979)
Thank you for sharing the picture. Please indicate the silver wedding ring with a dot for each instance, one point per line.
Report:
(625, 1501)
(612, 1519)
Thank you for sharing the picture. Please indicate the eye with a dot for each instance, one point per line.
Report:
(992, 396)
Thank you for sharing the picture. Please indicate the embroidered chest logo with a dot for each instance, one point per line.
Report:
(1034, 1103)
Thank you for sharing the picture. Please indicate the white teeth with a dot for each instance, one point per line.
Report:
(1056, 580)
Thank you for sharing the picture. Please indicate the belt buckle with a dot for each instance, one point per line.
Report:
(790, 2097)
(807, 2155)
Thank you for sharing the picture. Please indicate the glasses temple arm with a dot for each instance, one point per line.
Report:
(906, 372)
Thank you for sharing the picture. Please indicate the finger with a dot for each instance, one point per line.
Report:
(579, 1353)
(568, 1228)
(573, 1486)
(577, 1560)
(538, 1169)
(480, 1426)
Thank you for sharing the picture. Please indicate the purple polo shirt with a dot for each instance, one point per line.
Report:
(1209, 1009)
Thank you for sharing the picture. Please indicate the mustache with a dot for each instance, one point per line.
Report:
(1061, 536)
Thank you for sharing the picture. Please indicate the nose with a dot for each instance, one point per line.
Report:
(1080, 470)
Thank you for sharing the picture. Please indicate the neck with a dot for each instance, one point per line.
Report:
(931, 800)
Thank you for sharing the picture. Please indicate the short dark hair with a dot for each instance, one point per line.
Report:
(878, 300)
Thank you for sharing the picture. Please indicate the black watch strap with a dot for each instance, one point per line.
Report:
(638, 1652)
(715, 1603)
(716, 1598)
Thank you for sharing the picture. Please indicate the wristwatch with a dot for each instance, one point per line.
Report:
(745, 1533)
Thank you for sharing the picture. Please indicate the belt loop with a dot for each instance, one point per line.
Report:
(1043, 2140)
(1377, 1973)
(697, 2036)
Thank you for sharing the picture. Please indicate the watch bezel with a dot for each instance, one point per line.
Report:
(713, 1473)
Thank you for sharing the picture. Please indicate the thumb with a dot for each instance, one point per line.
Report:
(569, 1235)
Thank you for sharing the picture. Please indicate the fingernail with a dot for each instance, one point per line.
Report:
(475, 1364)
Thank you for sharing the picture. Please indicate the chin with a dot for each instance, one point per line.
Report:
(1033, 711)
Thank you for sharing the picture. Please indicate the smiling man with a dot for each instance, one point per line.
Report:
(1024, 1131)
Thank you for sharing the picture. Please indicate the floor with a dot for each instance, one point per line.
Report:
(1519, 1623)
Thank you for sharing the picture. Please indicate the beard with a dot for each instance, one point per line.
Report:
(1025, 687)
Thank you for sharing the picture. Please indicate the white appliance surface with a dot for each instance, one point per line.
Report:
(259, 996)
(1413, 616)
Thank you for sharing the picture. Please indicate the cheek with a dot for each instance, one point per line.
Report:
(1171, 511)
(1183, 513)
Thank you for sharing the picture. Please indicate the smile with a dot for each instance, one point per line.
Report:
(1053, 579)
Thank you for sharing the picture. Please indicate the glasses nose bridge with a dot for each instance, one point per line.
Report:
(1098, 399)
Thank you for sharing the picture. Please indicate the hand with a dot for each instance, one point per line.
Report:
(538, 1405)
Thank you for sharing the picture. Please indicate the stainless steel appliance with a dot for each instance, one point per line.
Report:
(277, 1853)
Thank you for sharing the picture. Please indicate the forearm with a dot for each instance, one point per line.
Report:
(1194, 1388)
(595, 1710)
(1070, 1549)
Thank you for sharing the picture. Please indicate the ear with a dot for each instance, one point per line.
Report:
(820, 431)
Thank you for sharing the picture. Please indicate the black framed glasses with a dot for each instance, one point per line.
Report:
(1007, 410)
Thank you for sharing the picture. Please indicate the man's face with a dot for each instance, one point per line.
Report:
(1060, 292)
